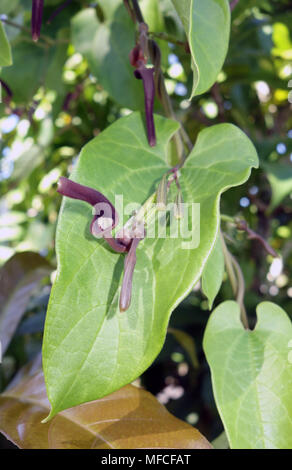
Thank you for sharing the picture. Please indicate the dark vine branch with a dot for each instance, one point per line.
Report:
(252, 235)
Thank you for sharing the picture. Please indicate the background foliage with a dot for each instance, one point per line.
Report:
(66, 89)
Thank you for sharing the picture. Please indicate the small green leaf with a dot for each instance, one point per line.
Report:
(90, 349)
(252, 376)
(207, 26)
(5, 50)
(213, 273)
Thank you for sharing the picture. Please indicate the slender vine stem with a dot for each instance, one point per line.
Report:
(229, 265)
(236, 280)
(168, 38)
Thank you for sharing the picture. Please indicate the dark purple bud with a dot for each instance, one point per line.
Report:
(147, 75)
(36, 18)
(136, 56)
(58, 10)
(130, 262)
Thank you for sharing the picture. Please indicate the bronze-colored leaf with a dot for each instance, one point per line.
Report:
(130, 418)
(19, 276)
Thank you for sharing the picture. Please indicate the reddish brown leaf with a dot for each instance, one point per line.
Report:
(18, 279)
(130, 418)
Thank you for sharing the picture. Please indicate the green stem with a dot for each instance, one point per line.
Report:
(240, 292)
(167, 37)
(229, 265)
(227, 218)
(236, 279)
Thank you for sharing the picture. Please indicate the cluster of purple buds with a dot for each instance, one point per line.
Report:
(105, 219)
(138, 59)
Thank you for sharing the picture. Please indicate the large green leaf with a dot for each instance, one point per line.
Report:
(90, 348)
(106, 46)
(114, 423)
(251, 375)
(207, 25)
(5, 51)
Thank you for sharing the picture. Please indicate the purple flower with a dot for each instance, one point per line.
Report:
(104, 220)
(105, 216)
(147, 75)
(36, 18)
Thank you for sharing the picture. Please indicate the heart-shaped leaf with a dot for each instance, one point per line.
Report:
(252, 376)
(207, 26)
(128, 419)
(19, 277)
(90, 348)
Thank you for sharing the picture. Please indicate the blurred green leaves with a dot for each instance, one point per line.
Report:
(107, 50)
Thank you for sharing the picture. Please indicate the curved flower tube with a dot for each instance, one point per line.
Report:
(105, 216)
(147, 75)
(104, 220)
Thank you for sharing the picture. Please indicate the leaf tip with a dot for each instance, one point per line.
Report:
(51, 415)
